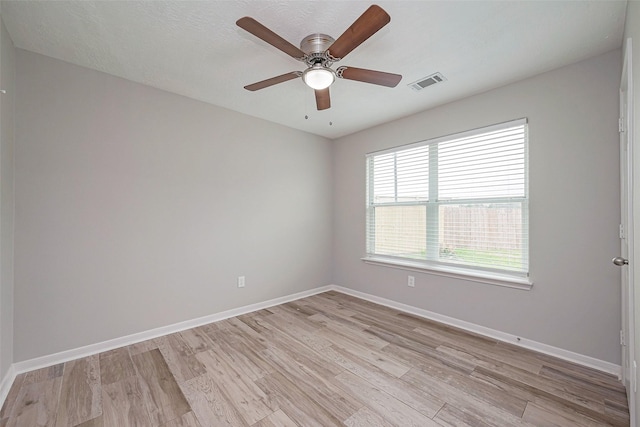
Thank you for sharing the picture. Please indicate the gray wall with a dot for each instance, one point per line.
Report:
(574, 210)
(137, 208)
(7, 82)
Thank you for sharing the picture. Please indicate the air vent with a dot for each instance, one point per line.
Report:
(427, 81)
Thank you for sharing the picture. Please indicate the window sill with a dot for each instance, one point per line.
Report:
(496, 279)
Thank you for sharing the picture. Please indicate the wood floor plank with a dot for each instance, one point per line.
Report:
(177, 344)
(44, 374)
(556, 416)
(605, 389)
(366, 417)
(585, 405)
(209, 404)
(179, 357)
(482, 350)
(262, 313)
(617, 411)
(472, 402)
(573, 369)
(374, 314)
(297, 331)
(393, 325)
(472, 416)
(320, 364)
(423, 402)
(318, 384)
(244, 333)
(384, 321)
(543, 400)
(115, 365)
(81, 392)
(507, 386)
(238, 352)
(375, 357)
(187, 420)
(196, 339)
(462, 357)
(301, 307)
(94, 422)
(143, 346)
(162, 396)
(349, 331)
(36, 404)
(255, 322)
(408, 350)
(385, 405)
(298, 405)
(123, 403)
(249, 400)
(414, 321)
(545, 387)
(287, 315)
(450, 416)
(277, 419)
(244, 360)
(460, 381)
(278, 339)
(358, 305)
(326, 304)
(344, 318)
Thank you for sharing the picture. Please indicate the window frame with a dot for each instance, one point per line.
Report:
(494, 276)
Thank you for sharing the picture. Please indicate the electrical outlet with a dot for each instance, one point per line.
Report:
(411, 282)
(241, 281)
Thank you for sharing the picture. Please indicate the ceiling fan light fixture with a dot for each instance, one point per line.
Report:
(318, 77)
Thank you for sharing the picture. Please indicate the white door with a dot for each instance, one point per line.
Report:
(626, 233)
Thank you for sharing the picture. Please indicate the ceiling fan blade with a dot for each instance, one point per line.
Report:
(323, 99)
(369, 76)
(262, 32)
(372, 20)
(273, 81)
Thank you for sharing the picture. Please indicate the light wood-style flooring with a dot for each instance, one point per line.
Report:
(326, 360)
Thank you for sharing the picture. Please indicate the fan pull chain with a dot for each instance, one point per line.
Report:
(306, 105)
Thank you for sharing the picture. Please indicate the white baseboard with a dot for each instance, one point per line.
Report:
(560, 353)
(77, 353)
(65, 356)
(7, 382)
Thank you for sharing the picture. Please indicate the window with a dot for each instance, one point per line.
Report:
(457, 203)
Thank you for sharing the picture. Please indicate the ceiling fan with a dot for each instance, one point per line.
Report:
(320, 51)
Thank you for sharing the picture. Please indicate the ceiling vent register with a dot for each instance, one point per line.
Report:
(425, 82)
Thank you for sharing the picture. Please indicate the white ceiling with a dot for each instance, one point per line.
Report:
(194, 48)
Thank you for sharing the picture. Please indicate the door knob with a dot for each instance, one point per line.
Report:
(619, 261)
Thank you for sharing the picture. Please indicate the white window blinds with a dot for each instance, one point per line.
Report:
(459, 200)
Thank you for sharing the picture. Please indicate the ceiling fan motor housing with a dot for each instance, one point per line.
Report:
(315, 47)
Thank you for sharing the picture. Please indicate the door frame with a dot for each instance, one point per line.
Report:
(628, 361)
